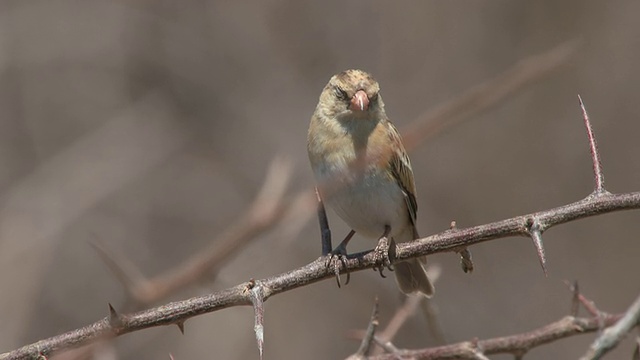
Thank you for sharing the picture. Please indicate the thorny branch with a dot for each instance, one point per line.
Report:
(518, 345)
(452, 240)
(240, 295)
(264, 213)
(515, 344)
(612, 336)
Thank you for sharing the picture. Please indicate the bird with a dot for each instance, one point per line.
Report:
(363, 172)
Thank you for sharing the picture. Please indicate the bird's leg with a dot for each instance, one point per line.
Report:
(384, 252)
(325, 232)
(338, 255)
(341, 249)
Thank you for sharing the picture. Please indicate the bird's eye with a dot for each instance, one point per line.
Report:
(341, 94)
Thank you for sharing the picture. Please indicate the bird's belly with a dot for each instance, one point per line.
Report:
(370, 203)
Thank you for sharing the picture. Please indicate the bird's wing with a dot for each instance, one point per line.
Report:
(402, 173)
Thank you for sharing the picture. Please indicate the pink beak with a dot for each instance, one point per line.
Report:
(359, 101)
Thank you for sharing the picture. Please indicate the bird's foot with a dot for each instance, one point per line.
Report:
(384, 253)
(338, 257)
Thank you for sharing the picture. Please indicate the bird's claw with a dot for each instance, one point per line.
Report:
(383, 255)
(335, 258)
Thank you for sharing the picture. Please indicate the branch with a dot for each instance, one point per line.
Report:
(519, 345)
(612, 336)
(484, 96)
(367, 340)
(240, 295)
(515, 344)
(265, 212)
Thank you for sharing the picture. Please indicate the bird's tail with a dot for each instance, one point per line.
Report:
(411, 275)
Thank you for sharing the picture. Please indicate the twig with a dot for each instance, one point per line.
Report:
(517, 345)
(368, 339)
(264, 213)
(612, 336)
(579, 298)
(401, 316)
(409, 308)
(447, 241)
(488, 94)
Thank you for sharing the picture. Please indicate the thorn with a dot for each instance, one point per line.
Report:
(171, 356)
(257, 299)
(537, 241)
(575, 301)
(535, 233)
(114, 318)
(478, 355)
(595, 155)
(589, 305)
(180, 325)
(453, 225)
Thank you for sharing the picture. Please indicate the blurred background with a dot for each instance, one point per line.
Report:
(148, 126)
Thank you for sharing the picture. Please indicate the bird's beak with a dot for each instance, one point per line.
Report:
(359, 101)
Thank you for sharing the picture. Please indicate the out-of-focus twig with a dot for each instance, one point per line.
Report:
(265, 212)
(403, 313)
(482, 97)
(367, 340)
(517, 345)
(611, 336)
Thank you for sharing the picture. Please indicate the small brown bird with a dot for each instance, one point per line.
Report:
(363, 170)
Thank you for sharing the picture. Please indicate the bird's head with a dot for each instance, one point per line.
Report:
(351, 94)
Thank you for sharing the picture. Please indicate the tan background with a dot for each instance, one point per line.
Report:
(148, 126)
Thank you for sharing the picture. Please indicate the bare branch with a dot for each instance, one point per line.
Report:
(446, 241)
(367, 340)
(578, 297)
(612, 336)
(518, 345)
(401, 316)
(484, 96)
(264, 213)
(123, 269)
